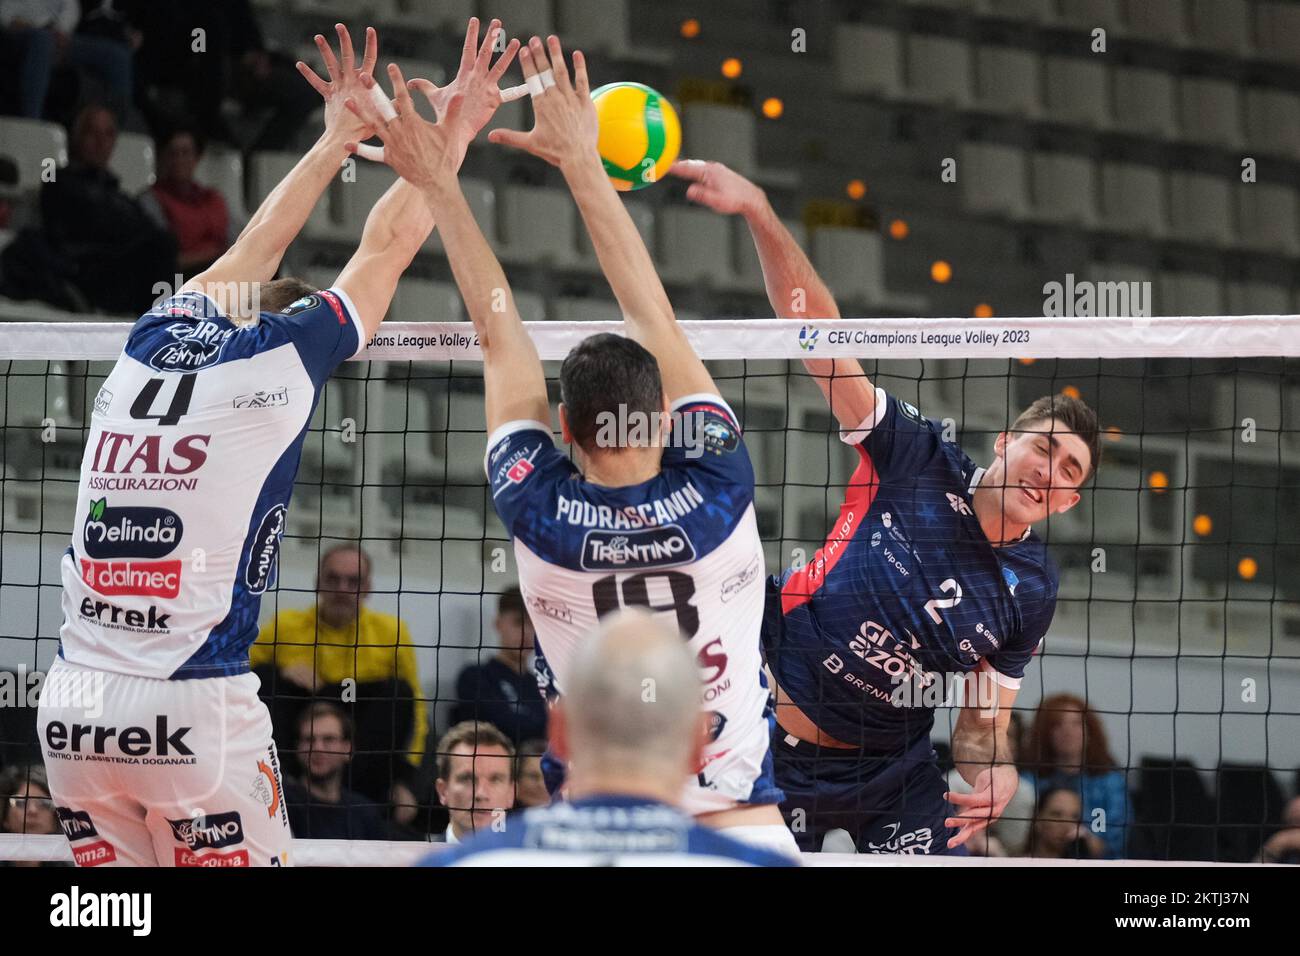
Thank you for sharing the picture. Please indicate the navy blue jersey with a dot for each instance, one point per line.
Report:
(906, 591)
(194, 443)
(604, 831)
(683, 544)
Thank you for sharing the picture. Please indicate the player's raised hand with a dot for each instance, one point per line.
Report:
(424, 154)
(719, 187)
(565, 128)
(993, 790)
(477, 80)
(345, 79)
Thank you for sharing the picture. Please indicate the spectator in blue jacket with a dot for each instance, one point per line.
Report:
(1066, 748)
(503, 689)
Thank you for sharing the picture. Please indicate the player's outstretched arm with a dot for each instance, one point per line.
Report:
(257, 252)
(401, 221)
(564, 135)
(794, 288)
(982, 755)
(427, 155)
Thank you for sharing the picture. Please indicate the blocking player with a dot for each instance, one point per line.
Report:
(632, 523)
(930, 569)
(186, 478)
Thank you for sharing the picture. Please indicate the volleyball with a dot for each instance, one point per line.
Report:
(640, 135)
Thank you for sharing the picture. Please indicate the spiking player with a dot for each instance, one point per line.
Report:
(930, 569)
(185, 483)
(634, 524)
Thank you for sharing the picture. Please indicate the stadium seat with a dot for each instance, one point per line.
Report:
(851, 262)
(1189, 293)
(1268, 218)
(1277, 31)
(1077, 91)
(994, 179)
(521, 18)
(642, 214)
(1064, 188)
(30, 144)
(266, 170)
(133, 162)
(1145, 102)
(540, 224)
(594, 25)
(1008, 80)
(1160, 21)
(1273, 120)
(1089, 14)
(1211, 111)
(419, 300)
(939, 70)
(428, 14)
(1249, 810)
(1134, 200)
(1258, 298)
(694, 246)
(223, 170)
(868, 60)
(587, 310)
(726, 134)
(1221, 25)
(1200, 207)
(1173, 816)
(1029, 11)
(356, 194)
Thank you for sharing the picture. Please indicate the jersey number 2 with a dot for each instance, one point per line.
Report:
(950, 586)
(636, 593)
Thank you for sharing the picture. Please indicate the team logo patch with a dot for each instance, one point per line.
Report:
(910, 412)
(130, 532)
(301, 305)
(213, 831)
(264, 553)
(103, 399)
(647, 548)
(195, 345)
(146, 578)
(519, 471)
(719, 437)
(556, 609)
(738, 582)
(76, 824)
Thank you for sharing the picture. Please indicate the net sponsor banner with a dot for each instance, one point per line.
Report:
(1068, 337)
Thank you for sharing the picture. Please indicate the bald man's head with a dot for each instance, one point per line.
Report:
(632, 699)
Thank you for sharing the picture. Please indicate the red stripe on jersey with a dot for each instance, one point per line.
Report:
(861, 492)
(717, 407)
(336, 305)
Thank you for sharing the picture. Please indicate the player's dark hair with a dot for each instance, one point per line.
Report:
(602, 373)
(278, 294)
(319, 709)
(1074, 414)
(511, 602)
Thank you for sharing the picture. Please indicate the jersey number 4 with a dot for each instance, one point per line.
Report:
(142, 407)
(609, 594)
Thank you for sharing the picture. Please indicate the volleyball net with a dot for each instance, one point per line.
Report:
(1178, 618)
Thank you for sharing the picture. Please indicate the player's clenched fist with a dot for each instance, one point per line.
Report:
(565, 126)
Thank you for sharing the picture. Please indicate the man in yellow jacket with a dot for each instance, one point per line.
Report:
(343, 651)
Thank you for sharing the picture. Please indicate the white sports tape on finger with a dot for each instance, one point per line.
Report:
(534, 84)
(380, 99)
(373, 153)
(514, 92)
(547, 77)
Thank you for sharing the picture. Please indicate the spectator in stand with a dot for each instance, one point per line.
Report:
(1284, 846)
(116, 251)
(1009, 833)
(26, 807)
(321, 807)
(1058, 834)
(476, 779)
(530, 784)
(1066, 747)
(181, 76)
(341, 650)
(503, 691)
(39, 35)
(195, 214)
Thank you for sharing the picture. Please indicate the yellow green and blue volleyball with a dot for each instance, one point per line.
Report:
(640, 134)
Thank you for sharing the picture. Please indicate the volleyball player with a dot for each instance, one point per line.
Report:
(632, 523)
(930, 569)
(185, 483)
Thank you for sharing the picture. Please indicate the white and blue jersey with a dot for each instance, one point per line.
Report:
(906, 591)
(604, 831)
(684, 545)
(193, 447)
